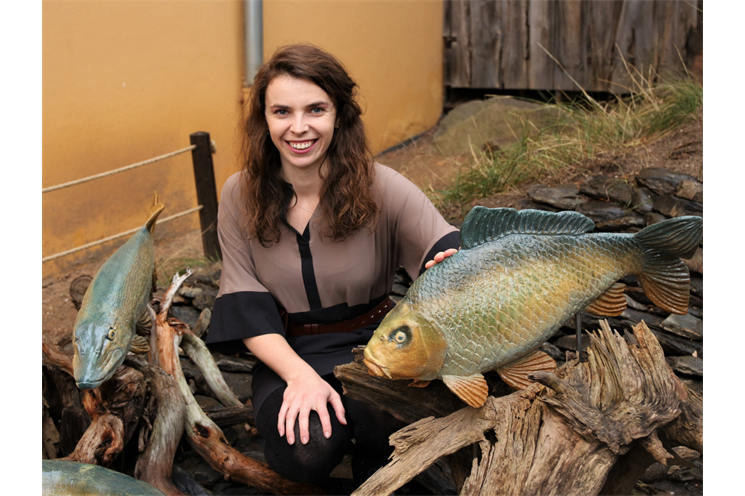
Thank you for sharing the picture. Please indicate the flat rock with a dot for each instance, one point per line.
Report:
(564, 197)
(696, 262)
(498, 121)
(240, 384)
(687, 364)
(674, 345)
(531, 205)
(569, 342)
(697, 285)
(653, 218)
(186, 314)
(609, 213)
(642, 200)
(203, 323)
(661, 181)
(608, 188)
(207, 403)
(686, 326)
(553, 351)
(691, 190)
(672, 206)
(208, 274)
(228, 363)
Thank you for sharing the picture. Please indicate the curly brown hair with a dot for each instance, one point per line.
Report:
(346, 197)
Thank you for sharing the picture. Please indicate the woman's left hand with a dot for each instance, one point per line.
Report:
(440, 257)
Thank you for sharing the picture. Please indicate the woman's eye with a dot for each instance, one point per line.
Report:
(317, 110)
(280, 112)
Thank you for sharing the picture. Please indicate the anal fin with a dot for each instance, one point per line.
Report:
(139, 345)
(472, 389)
(610, 303)
(419, 384)
(516, 373)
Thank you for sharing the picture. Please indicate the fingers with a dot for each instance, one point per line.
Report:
(290, 426)
(335, 401)
(302, 421)
(440, 256)
(323, 415)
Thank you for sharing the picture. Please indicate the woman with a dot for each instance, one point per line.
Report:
(312, 231)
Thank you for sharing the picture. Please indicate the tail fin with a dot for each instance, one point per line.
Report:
(155, 209)
(665, 278)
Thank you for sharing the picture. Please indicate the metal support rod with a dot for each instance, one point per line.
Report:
(204, 178)
(254, 38)
(578, 324)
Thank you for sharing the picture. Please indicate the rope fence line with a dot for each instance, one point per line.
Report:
(116, 171)
(115, 236)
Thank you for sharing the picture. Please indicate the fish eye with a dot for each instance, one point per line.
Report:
(401, 335)
(111, 334)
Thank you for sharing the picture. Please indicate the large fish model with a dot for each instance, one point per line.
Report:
(516, 279)
(105, 326)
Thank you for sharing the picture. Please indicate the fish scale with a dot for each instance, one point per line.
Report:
(504, 312)
(517, 277)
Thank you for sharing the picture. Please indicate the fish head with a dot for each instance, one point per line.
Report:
(99, 349)
(405, 346)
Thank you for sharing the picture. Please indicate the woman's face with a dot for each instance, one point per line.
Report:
(301, 119)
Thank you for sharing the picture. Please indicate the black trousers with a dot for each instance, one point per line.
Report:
(365, 436)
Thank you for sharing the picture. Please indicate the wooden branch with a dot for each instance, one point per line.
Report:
(114, 409)
(234, 415)
(561, 439)
(155, 464)
(202, 433)
(201, 356)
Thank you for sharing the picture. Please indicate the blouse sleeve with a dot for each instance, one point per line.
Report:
(419, 229)
(244, 307)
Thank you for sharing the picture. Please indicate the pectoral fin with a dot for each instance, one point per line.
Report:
(610, 303)
(516, 373)
(139, 345)
(472, 389)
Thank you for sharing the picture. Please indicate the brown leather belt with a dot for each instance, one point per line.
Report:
(345, 326)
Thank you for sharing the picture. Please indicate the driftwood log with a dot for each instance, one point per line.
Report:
(591, 428)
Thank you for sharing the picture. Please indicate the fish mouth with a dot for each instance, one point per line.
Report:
(89, 384)
(375, 369)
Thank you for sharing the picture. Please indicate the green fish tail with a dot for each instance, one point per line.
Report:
(665, 278)
(155, 209)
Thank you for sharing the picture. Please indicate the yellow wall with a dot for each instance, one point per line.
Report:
(124, 81)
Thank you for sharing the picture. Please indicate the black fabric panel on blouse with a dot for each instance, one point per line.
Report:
(336, 313)
(450, 240)
(309, 274)
(244, 315)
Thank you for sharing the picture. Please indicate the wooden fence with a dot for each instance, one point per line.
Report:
(512, 44)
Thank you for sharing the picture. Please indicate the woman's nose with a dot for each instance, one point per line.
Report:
(299, 125)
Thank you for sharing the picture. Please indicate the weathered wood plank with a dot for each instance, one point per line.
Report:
(515, 50)
(485, 43)
(457, 47)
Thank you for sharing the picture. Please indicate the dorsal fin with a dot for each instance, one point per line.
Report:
(155, 209)
(483, 224)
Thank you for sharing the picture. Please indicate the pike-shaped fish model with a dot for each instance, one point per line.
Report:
(517, 277)
(105, 326)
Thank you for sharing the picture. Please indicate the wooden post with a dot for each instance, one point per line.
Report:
(204, 177)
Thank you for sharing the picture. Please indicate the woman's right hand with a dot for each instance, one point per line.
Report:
(306, 390)
(305, 393)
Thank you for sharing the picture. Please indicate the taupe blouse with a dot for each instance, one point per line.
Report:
(316, 279)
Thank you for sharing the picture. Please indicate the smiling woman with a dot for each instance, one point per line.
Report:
(312, 232)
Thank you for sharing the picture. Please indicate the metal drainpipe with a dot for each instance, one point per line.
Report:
(254, 38)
